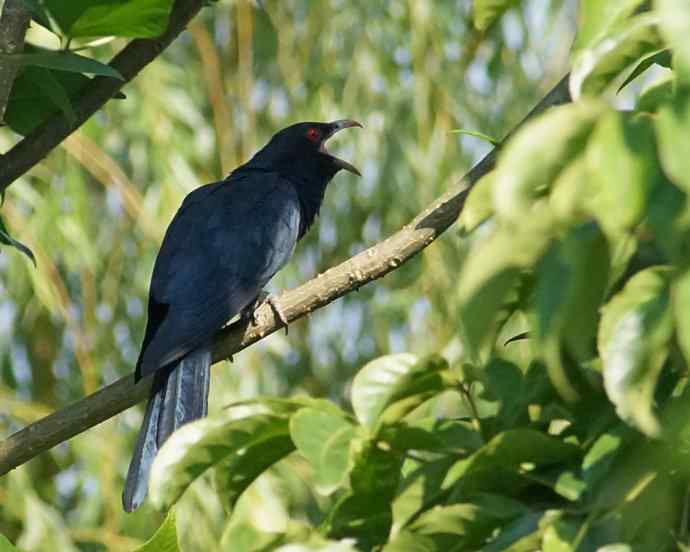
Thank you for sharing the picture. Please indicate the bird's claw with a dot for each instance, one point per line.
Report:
(249, 312)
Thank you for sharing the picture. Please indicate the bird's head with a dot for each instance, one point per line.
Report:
(300, 149)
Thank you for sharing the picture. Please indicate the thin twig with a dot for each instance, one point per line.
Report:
(348, 276)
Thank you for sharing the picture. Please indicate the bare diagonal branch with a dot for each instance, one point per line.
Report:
(13, 24)
(132, 59)
(357, 271)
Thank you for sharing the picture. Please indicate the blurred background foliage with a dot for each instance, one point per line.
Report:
(95, 210)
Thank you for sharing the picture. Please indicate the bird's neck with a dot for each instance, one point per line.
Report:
(310, 194)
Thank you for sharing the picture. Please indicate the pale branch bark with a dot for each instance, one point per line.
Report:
(13, 25)
(364, 267)
(132, 59)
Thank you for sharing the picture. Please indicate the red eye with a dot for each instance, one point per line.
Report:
(313, 134)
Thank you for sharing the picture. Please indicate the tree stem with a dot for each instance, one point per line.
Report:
(14, 22)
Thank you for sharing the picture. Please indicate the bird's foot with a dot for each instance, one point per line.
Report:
(249, 312)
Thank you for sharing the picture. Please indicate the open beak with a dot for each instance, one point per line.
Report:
(337, 126)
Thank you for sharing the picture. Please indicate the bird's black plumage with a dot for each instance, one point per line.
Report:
(224, 244)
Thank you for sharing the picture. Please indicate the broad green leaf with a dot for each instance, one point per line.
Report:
(375, 471)
(479, 204)
(569, 192)
(407, 541)
(523, 534)
(674, 23)
(526, 169)
(234, 474)
(487, 12)
(6, 545)
(596, 67)
(325, 440)
(634, 335)
(560, 537)
(363, 517)
(467, 524)
(389, 387)
(165, 537)
(621, 157)
(7, 239)
(508, 450)
(680, 294)
(668, 217)
(126, 18)
(197, 446)
(596, 19)
(492, 270)
(431, 434)
(38, 12)
(35, 96)
(571, 281)
(672, 128)
(662, 57)
(421, 482)
(67, 61)
(659, 93)
(475, 134)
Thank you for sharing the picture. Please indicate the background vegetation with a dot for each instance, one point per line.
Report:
(447, 439)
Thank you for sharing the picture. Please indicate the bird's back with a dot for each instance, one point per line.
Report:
(224, 244)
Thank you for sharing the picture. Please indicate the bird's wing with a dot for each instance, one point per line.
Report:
(224, 244)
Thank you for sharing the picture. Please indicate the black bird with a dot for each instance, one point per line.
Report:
(225, 243)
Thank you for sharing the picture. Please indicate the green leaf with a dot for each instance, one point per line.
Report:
(234, 474)
(432, 434)
(571, 281)
(486, 12)
(125, 18)
(325, 440)
(506, 452)
(475, 134)
(621, 158)
(197, 446)
(527, 170)
(361, 517)
(596, 20)
(492, 270)
(165, 537)
(467, 524)
(479, 204)
(596, 67)
(680, 295)
(67, 61)
(38, 13)
(389, 387)
(634, 335)
(674, 23)
(659, 93)
(672, 128)
(662, 57)
(7, 239)
(38, 93)
(523, 534)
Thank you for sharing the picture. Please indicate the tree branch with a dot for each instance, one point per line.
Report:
(13, 24)
(132, 59)
(364, 267)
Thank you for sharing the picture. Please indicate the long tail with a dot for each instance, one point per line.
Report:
(179, 395)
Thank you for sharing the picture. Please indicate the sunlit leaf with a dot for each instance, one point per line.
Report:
(596, 19)
(672, 127)
(479, 204)
(6, 545)
(635, 329)
(597, 66)
(325, 440)
(621, 158)
(199, 445)
(674, 23)
(389, 387)
(476, 134)
(527, 170)
(662, 58)
(165, 537)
